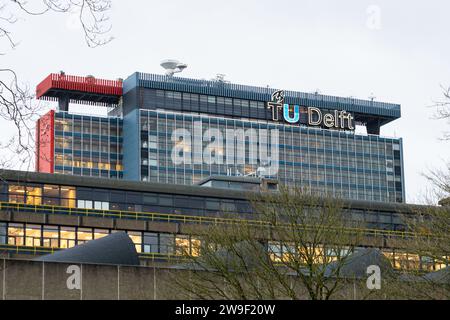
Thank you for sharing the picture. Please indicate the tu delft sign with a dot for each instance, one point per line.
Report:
(291, 114)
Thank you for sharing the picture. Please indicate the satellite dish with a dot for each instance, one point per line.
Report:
(173, 66)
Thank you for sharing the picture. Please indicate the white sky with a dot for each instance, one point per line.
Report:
(397, 50)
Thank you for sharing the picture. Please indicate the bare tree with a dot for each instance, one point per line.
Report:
(295, 250)
(443, 109)
(16, 100)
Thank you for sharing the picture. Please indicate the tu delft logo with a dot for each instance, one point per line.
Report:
(276, 103)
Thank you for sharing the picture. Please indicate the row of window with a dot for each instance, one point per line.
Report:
(91, 145)
(94, 163)
(400, 260)
(88, 124)
(61, 237)
(33, 235)
(104, 199)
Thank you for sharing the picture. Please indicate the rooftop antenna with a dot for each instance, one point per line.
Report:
(173, 66)
(220, 77)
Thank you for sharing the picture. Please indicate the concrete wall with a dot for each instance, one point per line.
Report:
(32, 280)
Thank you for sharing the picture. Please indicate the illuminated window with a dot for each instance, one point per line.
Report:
(33, 235)
(182, 245)
(68, 195)
(136, 237)
(68, 237)
(441, 263)
(16, 234)
(100, 233)
(195, 247)
(50, 236)
(34, 195)
(16, 194)
(83, 235)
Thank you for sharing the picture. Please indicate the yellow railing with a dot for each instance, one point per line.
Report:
(166, 217)
(38, 250)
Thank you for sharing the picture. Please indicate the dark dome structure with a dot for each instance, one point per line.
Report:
(116, 248)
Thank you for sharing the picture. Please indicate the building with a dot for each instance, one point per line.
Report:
(41, 212)
(180, 131)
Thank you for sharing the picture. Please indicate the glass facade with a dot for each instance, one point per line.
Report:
(88, 145)
(339, 163)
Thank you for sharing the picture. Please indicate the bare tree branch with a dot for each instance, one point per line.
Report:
(16, 100)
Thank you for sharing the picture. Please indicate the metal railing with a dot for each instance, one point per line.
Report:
(171, 218)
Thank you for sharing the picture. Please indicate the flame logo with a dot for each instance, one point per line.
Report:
(278, 96)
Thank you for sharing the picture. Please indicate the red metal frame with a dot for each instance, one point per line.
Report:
(81, 84)
(45, 143)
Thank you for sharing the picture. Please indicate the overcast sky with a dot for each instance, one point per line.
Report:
(397, 51)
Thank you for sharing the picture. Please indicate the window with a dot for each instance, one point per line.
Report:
(3, 233)
(68, 195)
(68, 237)
(51, 195)
(195, 247)
(50, 236)
(136, 237)
(182, 245)
(16, 234)
(84, 204)
(166, 243)
(83, 235)
(100, 233)
(33, 235)
(16, 194)
(150, 243)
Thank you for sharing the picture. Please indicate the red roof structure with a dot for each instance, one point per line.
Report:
(84, 90)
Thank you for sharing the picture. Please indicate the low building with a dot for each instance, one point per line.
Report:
(41, 212)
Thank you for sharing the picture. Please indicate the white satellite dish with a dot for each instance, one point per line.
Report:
(173, 66)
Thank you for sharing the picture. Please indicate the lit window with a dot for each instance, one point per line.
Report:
(182, 245)
(50, 237)
(16, 194)
(84, 235)
(33, 235)
(68, 237)
(34, 195)
(68, 195)
(100, 233)
(136, 237)
(16, 233)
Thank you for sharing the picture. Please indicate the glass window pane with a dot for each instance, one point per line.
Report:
(33, 235)
(84, 234)
(16, 194)
(50, 237)
(68, 236)
(3, 233)
(16, 233)
(100, 233)
(68, 196)
(136, 237)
